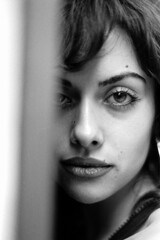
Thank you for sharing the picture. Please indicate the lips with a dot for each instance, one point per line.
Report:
(86, 167)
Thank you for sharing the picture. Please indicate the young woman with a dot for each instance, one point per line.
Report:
(108, 113)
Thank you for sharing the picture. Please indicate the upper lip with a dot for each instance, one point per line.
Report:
(84, 162)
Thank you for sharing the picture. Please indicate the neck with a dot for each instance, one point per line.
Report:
(105, 217)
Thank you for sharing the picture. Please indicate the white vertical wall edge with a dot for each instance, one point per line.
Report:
(10, 75)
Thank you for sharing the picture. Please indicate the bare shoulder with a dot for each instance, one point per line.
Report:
(154, 216)
(151, 229)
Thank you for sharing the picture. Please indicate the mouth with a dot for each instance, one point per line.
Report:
(86, 167)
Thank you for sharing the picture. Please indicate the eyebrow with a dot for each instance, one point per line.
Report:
(65, 83)
(120, 77)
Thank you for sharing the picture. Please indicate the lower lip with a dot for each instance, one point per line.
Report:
(89, 172)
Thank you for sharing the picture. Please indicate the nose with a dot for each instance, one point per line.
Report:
(86, 130)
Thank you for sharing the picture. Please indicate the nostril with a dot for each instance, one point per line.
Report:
(95, 143)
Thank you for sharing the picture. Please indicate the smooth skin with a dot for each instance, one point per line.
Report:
(151, 229)
(106, 111)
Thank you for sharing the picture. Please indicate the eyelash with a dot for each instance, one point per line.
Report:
(66, 102)
(126, 93)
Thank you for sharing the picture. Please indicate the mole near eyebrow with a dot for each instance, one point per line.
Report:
(121, 77)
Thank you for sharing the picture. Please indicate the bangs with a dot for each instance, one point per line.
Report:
(88, 23)
(86, 27)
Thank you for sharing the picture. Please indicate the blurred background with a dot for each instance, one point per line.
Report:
(28, 58)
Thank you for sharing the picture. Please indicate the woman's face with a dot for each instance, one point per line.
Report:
(105, 116)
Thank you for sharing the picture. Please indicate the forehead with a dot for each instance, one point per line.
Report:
(115, 57)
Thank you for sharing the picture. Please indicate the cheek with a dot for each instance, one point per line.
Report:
(133, 143)
(131, 154)
(61, 137)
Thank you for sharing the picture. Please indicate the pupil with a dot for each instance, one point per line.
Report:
(120, 97)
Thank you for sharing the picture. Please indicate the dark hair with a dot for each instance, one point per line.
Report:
(87, 24)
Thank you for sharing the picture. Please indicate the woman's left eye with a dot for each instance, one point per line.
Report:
(120, 97)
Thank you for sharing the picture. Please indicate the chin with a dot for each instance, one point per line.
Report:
(85, 197)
